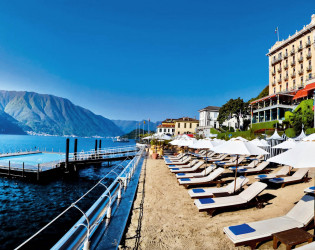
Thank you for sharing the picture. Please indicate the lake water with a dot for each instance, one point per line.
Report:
(26, 207)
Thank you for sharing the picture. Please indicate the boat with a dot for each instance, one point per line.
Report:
(120, 139)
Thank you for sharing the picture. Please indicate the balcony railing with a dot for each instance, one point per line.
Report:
(293, 63)
(308, 55)
(292, 52)
(279, 80)
(310, 77)
(300, 59)
(301, 72)
(285, 66)
(308, 43)
(309, 68)
(273, 83)
(273, 61)
(273, 72)
(279, 70)
(285, 55)
(300, 47)
(286, 77)
(293, 75)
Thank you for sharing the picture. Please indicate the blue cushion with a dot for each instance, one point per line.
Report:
(171, 165)
(175, 169)
(217, 161)
(185, 179)
(262, 176)
(241, 229)
(312, 188)
(198, 190)
(232, 168)
(242, 169)
(165, 156)
(278, 179)
(181, 174)
(206, 200)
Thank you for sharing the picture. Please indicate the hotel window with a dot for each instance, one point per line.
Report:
(190, 125)
(293, 83)
(300, 42)
(280, 87)
(287, 86)
(302, 80)
(294, 70)
(302, 66)
(310, 76)
(309, 63)
(178, 125)
(280, 76)
(185, 125)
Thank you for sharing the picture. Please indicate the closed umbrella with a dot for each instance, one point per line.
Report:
(301, 136)
(290, 143)
(239, 147)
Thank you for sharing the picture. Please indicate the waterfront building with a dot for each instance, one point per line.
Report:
(186, 125)
(291, 75)
(167, 127)
(208, 118)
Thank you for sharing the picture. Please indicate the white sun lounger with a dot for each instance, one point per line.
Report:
(254, 232)
(211, 204)
(299, 176)
(203, 173)
(260, 168)
(187, 170)
(252, 164)
(210, 192)
(310, 190)
(183, 161)
(220, 158)
(202, 180)
(231, 162)
(187, 165)
(282, 171)
(174, 157)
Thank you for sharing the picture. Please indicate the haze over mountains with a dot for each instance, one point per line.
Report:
(22, 111)
(128, 126)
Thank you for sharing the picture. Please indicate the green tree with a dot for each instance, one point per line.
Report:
(302, 118)
(233, 108)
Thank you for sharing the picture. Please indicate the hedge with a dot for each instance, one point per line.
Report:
(264, 125)
(290, 132)
(248, 134)
(310, 131)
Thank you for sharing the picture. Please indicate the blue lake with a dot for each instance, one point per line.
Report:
(26, 207)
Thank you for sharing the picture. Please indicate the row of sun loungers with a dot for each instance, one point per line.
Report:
(215, 198)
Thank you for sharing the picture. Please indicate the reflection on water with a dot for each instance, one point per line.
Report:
(26, 207)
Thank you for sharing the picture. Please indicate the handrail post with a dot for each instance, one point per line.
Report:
(23, 170)
(37, 172)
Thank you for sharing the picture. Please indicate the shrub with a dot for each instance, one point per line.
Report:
(264, 125)
(310, 131)
(290, 132)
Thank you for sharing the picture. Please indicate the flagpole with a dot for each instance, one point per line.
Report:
(278, 33)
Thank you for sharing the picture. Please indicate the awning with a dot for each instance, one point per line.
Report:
(264, 98)
(310, 86)
(300, 94)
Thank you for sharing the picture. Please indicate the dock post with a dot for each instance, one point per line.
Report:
(23, 170)
(95, 148)
(37, 172)
(67, 153)
(100, 145)
(75, 148)
(9, 167)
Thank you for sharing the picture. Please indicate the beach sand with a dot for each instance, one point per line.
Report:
(165, 217)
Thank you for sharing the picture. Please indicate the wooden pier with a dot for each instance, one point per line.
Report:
(69, 165)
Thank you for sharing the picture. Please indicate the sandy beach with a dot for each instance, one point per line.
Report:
(165, 217)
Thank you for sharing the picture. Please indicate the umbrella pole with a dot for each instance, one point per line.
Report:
(235, 173)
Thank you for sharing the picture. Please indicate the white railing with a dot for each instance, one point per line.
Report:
(86, 226)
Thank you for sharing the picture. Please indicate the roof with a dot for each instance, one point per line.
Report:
(210, 108)
(304, 92)
(166, 126)
(187, 119)
(273, 95)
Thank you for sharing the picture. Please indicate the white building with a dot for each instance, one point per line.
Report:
(208, 118)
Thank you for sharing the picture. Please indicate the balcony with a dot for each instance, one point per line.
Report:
(273, 72)
(273, 83)
(308, 55)
(293, 63)
(279, 69)
(310, 77)
(309, 68)
(301, 72)
(274, 61)
(293, 75)
(300, 47)
(292, 52)
(285, 66)
(279, 80)
(285, 55)
(286, 77)
(300, 59)
(308, 43)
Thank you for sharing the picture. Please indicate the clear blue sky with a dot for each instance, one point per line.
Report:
(143, 59)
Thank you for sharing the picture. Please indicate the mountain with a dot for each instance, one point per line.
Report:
(41, 113)
(135, 133)
(8, 125)
(128, 126)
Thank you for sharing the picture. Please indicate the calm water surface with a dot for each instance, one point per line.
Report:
(26, 207)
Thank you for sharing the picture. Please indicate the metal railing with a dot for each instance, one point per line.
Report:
(79, 235)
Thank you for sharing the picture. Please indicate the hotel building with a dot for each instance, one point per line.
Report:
(167, 127)
(186, 125)
(291, 75)
(208, 118)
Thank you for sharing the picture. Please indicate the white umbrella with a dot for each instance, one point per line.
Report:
(301, 156)
(290, 143)
(301, 136)
(309, 138)
(239, 147)
(275, 136)
(163, 137)
(260, 143)
(186, 143)
(239, 138)
(204, 144)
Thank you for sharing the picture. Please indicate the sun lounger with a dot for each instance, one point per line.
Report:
(252, 164)
(203, 173)
(173, 157)
(283, 171)
(187, 170)
(230, 163)
(212, 192)
(220, 158)
(299, 176)
(252, 233)
(183, 161)
(244, 198)
(209, 179)
(310, 190)
(187, 165)
(309, 246)
(261, 167)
